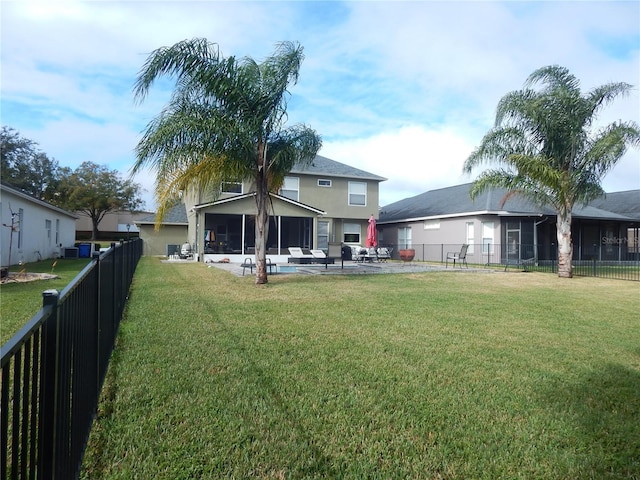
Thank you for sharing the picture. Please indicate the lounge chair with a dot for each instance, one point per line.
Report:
(320, 257)
(298, 256)
(460, 257)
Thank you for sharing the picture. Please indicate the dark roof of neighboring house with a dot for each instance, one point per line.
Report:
(175, 215)
(456, 201)
(323, 166)
(625, 203)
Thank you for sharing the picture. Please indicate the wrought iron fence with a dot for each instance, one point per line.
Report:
(54, 367)
(593, 260)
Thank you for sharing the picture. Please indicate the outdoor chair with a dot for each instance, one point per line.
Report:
(320, 257)
(384, 254)
(248, 263)
(460, 257)
(298, 256)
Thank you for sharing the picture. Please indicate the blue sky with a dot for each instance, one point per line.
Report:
(405, 90)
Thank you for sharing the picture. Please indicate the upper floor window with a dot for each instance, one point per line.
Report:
(358, 193)
(323, 182)
(291, 188)
(231, 187)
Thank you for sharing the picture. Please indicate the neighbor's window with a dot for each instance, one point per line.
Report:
(404, 237)
(57, 231)
(324, 183)
(231, 187)
(291, 188)
(352, 233)
(47, 226)
(633, 240)
(487, 238)
(358, 194)
(470, 237)
(20, 223)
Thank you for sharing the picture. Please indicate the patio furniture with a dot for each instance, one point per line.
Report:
(298, 256)
(248, 263)
(384, 254)
(320, 257)
(460, 257)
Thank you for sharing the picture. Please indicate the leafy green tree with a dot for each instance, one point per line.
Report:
(94, 190)
(224, 122)
(25, 167)
(545, 149)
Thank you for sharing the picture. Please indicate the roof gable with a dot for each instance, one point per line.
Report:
(323, 166)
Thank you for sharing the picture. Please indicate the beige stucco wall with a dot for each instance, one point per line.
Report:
(155, 242)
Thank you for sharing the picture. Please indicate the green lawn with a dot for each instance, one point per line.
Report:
(21, 301)
(426, 376)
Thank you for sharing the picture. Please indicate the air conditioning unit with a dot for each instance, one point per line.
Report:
(71, 252)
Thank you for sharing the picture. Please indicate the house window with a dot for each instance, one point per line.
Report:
(432, 225)
(231, 187)
(324, 183)
(358, 194)
(633, 239)
(18, 224)
(470, 237)
(351, 233)
(291, 188)
(47, 227)
(404, 237)
(323, 235)
(487, 238)
(57, 231)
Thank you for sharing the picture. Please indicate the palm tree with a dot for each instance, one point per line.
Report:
(224, 122)
(545, 149)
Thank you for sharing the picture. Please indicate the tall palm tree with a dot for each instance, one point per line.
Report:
(544, 148)
(224, 122)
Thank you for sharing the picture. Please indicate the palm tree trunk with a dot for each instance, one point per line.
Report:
(565, 245)
(262, 218)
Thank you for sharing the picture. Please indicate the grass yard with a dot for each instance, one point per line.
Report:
(21, 301)
(427, 376)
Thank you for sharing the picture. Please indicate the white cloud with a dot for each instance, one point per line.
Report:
(393, 87)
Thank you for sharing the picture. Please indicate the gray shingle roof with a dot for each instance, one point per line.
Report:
(324, 166)
(177, 214)
(456, 200)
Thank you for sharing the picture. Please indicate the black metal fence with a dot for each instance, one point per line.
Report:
(54, 367)
(595, 260)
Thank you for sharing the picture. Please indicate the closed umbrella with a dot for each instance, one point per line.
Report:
(372, 233)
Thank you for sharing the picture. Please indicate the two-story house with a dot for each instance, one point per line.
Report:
(325, 201)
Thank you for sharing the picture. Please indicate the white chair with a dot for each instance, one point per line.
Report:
(298, 256)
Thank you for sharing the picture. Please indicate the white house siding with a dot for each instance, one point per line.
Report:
(32, 239)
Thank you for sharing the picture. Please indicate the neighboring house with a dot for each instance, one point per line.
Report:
(326, 201)
(114, 225)
(438, 221)
(32, 229)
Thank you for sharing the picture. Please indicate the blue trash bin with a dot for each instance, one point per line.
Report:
(84, 250)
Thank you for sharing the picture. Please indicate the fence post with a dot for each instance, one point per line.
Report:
(49, 386)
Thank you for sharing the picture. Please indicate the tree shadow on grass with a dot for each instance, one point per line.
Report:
(605, 406)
